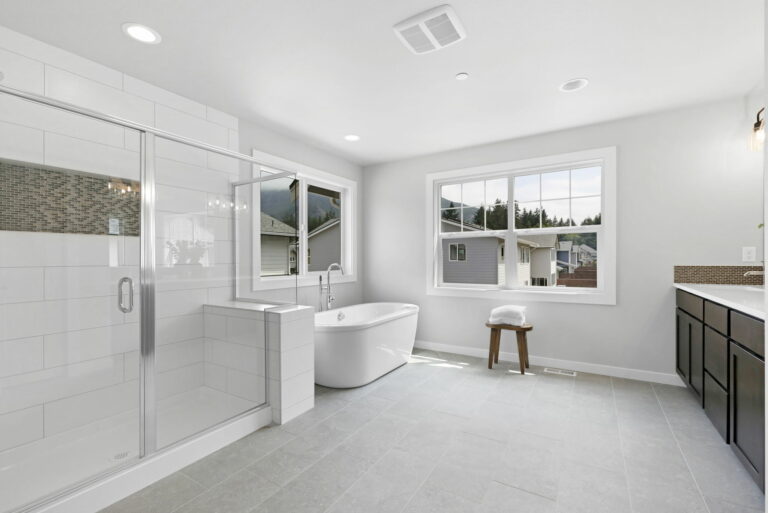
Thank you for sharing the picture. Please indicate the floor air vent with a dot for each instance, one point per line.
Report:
(431, 30)
(561, 372)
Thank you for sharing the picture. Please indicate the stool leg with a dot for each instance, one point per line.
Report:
(525, 345)
(491, 348)
(521, 350)
(497, 346)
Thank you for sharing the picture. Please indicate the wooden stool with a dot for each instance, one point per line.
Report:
(522, 343)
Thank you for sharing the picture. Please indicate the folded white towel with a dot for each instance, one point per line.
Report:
(508, 314)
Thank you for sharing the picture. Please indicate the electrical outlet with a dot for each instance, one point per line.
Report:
(748, 253)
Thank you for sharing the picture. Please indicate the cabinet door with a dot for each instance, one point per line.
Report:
(696, 334)
(747, 406)
(683, 345)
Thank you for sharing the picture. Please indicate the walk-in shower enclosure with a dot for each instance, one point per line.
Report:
(108, 254)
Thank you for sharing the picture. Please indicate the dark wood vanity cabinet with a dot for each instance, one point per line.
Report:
(720, 357)
(690, 342)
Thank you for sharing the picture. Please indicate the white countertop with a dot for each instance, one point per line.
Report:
(749, 299)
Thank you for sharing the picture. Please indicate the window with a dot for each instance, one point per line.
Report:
(306, 223)
(458, 253)
(560, 229)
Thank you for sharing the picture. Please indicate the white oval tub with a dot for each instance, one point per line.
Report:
(356, 344)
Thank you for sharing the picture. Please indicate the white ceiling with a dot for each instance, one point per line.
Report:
(321, 69)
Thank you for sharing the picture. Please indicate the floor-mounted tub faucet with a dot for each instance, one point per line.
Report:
(330, 299)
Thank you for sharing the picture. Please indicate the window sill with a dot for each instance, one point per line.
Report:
(579, 296)
(310, 280)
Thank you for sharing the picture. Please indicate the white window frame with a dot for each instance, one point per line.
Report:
(604, 294)
(307, 176)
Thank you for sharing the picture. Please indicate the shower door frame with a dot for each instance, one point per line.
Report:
(147, 404)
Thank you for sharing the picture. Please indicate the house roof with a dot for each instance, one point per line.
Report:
(525, 242)
(588, 249)
(326, 225)
(272, 226)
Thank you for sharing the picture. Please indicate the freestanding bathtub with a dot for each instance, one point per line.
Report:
(356, 344)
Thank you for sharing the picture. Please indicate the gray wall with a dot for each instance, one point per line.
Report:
(689, 192)
(481, 265)
(254, 136)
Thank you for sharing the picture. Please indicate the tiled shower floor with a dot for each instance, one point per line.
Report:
(38, 468)
(445, 434)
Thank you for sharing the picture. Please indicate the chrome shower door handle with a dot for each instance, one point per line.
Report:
(120, 295)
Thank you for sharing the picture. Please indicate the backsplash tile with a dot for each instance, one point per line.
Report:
(37, 198)
(717, 274)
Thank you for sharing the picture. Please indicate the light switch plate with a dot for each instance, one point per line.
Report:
(748, 253)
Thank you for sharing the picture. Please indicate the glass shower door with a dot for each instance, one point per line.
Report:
(70, 218)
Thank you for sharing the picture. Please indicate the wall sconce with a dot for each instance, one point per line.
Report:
(758, 131)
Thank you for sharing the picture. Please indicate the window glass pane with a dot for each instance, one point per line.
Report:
(323, 228)
(496, 216)
(562, 260)
(473, 194)
(473, 219)
(478, 261)
(577, 260)
(453, 249)
(586, 211)
(279, 235)
(450, 196)
(555, 185)
(586, 182)
(527, 215)
(496, 191)
(450, 220)
(555, 213)
(527, 188)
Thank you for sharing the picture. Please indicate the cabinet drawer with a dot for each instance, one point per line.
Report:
(716, 405)
(694, 305)
(748, 332)
(716, 355)
(716, 316)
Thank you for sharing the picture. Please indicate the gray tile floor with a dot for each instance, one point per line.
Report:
(445, 434)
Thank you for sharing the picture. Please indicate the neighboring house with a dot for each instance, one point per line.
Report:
(324, 245)
(587, 255)
(543, 260)
(278, 247)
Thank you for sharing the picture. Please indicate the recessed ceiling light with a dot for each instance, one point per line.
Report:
(352, 138)
(142, 33)
(574, 84)
(462, 76)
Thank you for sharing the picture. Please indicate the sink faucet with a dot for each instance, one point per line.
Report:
(756, 273)
(330, 298)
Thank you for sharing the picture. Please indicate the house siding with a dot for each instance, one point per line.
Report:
(481, 265)
(325, 248)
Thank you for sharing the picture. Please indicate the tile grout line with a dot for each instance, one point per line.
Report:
(679, 448)
(621, 444)
(205, 490)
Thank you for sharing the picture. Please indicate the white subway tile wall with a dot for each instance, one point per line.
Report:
(68, 356)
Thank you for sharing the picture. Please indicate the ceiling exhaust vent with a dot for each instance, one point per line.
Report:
(431, 30)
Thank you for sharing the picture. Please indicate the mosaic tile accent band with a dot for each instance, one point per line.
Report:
(717, 274)
(37, 198)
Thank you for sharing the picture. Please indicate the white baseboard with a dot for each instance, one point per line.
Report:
(593, 368)
(115, 487)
